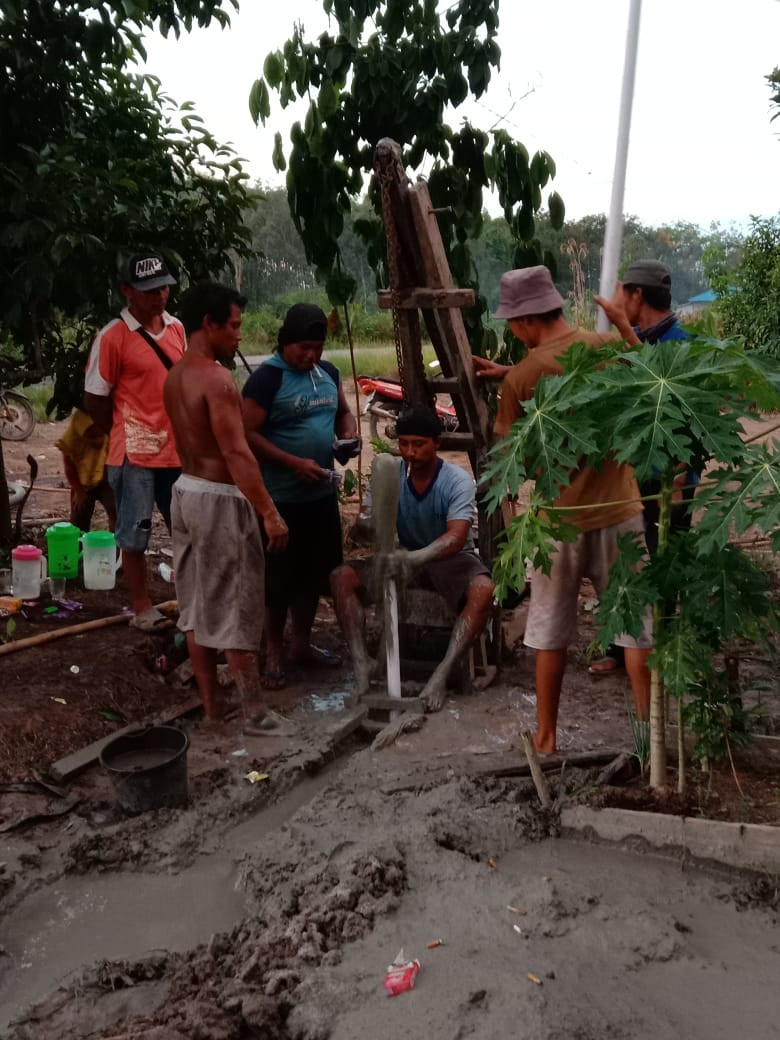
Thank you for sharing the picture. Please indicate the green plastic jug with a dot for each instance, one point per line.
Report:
(62, 546)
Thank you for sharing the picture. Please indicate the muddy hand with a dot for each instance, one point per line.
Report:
(276, 531)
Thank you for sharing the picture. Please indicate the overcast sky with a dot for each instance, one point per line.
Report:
(702, 144)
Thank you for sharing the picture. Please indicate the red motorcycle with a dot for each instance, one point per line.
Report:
(386, 402)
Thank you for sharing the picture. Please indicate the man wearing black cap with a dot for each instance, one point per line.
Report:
(435, 512)
(294, 407)
(126, 372)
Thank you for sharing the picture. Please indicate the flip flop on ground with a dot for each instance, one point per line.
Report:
(317, 657)
(151, 620)
(271, 680)
(603, 666)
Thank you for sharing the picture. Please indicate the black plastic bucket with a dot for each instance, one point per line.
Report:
(148, 768)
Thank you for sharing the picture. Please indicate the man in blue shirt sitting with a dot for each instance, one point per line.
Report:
(435, 514)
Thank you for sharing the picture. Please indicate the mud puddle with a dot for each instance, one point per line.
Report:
(61, 929)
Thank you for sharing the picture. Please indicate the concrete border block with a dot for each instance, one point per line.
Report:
(747, 846)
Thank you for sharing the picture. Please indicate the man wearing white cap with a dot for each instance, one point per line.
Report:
(123, 394)
(534, 309)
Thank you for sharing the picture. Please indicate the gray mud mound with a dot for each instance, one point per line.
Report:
(603, 943)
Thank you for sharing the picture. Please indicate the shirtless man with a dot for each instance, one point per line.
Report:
(217, 549)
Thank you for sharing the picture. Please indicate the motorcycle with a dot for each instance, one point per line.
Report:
(17, 418)
(386, 402)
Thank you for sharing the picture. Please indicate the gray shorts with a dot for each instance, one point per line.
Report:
(552, 614)
(449, 577)
(219, 564)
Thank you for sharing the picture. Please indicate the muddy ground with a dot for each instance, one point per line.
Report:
(273, 909)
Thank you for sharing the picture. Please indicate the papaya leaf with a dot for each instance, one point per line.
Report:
(529, 540)
(727, 594)
(680, 657)
(738, 498)
(629, 593)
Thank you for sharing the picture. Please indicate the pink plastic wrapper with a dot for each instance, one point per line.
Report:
(401, 975)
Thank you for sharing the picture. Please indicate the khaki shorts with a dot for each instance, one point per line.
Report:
(552, 615)
(218, 559)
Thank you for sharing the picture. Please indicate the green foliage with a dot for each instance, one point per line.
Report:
(656, 407)
(389, 70)
(96, 164)
(749, 294)
(528, 540)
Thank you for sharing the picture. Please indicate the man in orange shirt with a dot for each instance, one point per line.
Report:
(534, 309)
(128, 363)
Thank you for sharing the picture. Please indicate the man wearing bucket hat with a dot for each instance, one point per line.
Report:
(126, 371)
(534, 309)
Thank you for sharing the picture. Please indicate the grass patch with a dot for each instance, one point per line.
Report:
(39, 396)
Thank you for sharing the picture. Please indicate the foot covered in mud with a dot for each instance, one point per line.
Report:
(433, 696)
(273, 680)
(151, 620)
(266, 723)
(315, 657)
(406, 723)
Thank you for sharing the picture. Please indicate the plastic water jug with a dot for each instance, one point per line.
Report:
(28, 570)
(100, 559)
(62, 544)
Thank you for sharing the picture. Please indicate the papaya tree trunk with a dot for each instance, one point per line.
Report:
(657, 695)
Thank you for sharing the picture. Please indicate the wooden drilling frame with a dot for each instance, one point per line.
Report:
(421, 283)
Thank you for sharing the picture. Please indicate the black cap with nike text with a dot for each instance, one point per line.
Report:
(147, 271)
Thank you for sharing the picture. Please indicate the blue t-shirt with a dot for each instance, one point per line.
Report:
(301, 409)
(423, 518)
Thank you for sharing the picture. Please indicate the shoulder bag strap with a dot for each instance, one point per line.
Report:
(155, 347)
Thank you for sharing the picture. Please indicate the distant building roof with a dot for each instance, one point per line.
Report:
(708, 296)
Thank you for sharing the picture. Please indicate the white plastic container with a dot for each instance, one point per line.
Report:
(28, 570)
(100, 560)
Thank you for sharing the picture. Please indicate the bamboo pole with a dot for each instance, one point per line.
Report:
(75, 630)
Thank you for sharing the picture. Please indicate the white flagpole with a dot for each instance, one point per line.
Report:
(613, 236)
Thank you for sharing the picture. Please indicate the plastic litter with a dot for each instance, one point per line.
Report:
(58, 700)
(239, 752)
(166, 572)
(401, 975)
(254, 777)
(74, 669)
(9, 605)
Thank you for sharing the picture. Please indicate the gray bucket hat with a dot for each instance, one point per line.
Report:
(528, 290)
(648, 274)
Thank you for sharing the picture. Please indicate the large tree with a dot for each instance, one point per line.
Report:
(393, 68)
(96, 163)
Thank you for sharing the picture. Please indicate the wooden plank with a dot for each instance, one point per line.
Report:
(445, 386)
(413, 299)
(376, 701)
(457, 441)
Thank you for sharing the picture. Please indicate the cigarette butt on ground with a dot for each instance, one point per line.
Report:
(534, 978)
(434, 944)
(492, 863)
(515, 910)
(518, 929)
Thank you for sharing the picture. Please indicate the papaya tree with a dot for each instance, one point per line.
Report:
(656, 407)
(393, 69)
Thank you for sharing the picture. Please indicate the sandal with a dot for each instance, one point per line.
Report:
(318, 657)
(273, 680)
(151, 620)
